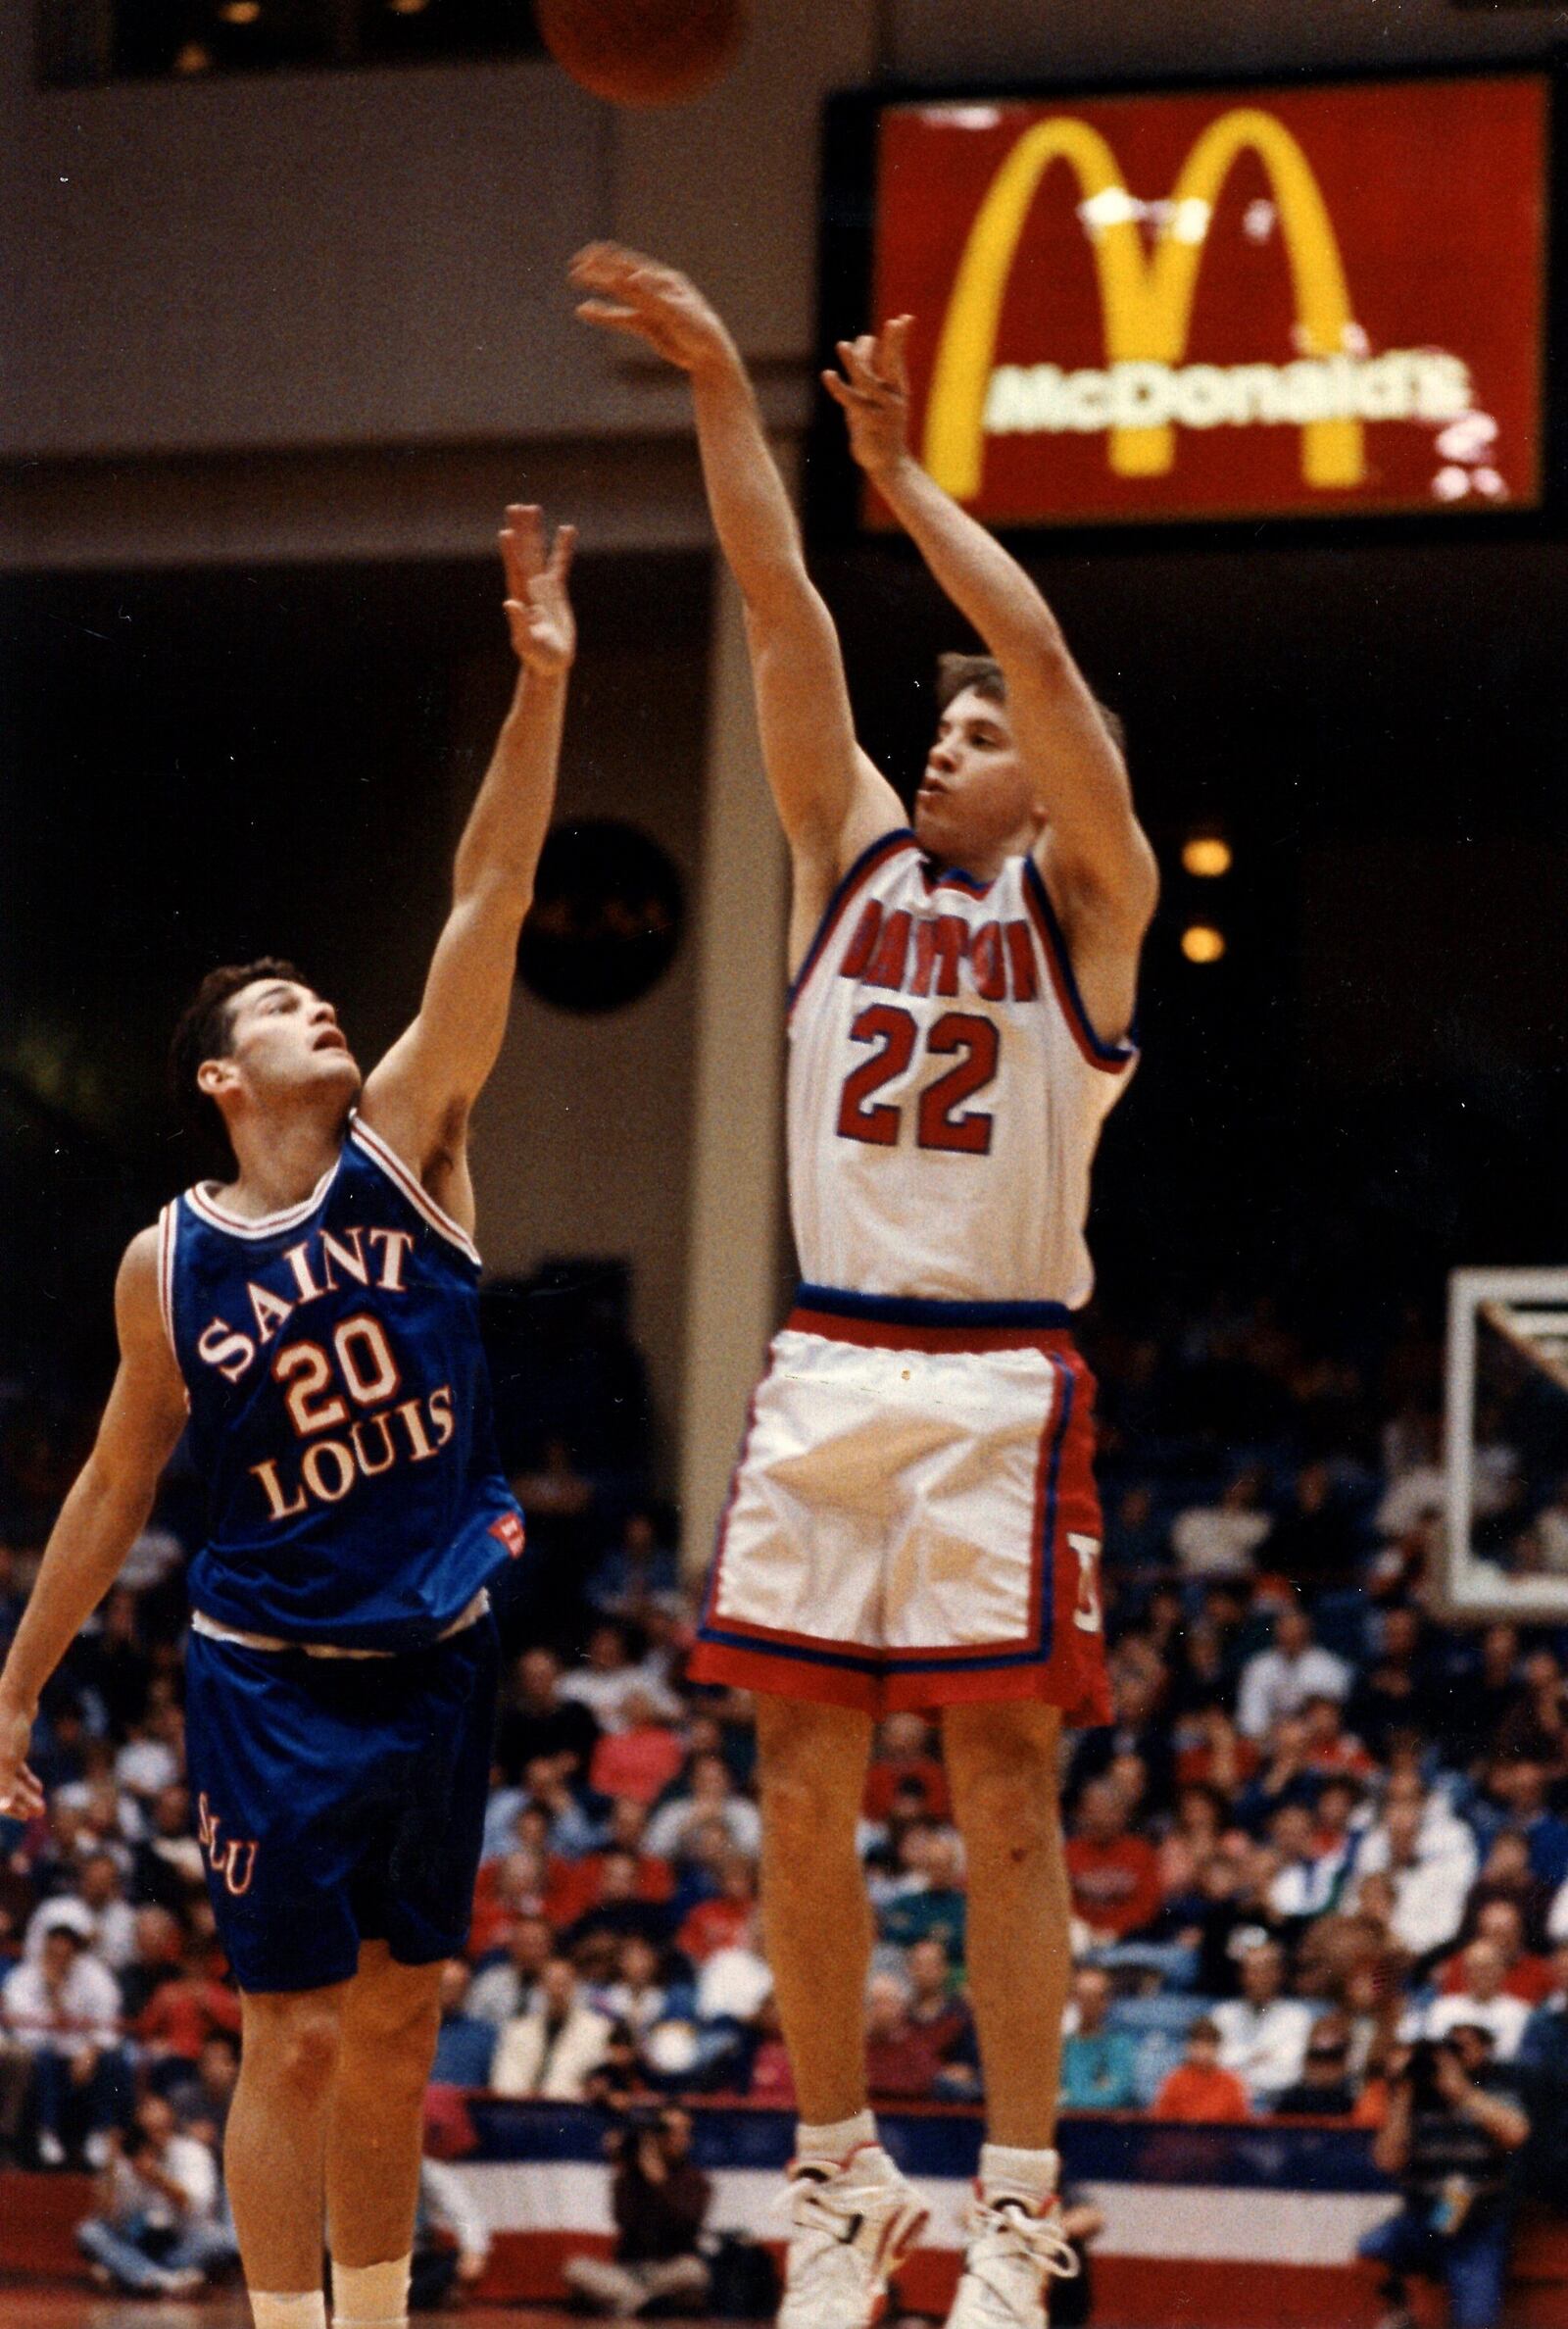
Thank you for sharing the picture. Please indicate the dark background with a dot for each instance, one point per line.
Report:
(1370, 1088)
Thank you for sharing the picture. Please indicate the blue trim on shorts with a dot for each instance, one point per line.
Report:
(919, 1310)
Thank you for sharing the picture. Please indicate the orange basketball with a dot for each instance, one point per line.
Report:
(643, 52)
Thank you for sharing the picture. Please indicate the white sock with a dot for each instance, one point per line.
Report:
(369, 2295)
(1009, 2174)
(833, 2145)
(308, 2310)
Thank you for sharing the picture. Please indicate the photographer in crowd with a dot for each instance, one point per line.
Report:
(660, 2201)
(161, 2228)
(1452, 2127)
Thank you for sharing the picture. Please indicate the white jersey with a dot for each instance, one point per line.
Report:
(946, 1088)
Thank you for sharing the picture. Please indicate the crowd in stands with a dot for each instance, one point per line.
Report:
(1322, 1825)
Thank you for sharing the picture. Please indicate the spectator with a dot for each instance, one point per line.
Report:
(1506, 1875)
(202, 2097)
(554, 2048)
(1325, 2087)
(1199, 2091)
(1313, 1541)
(641, 1758)
(503, 1987)
(64, 2010)
(1483, 2004)
(942, 2015)
(1452, 2125)
(1525, 1975)
(620, 1907)
(1280, 1681)
(900, 2060)
(167, 1870)
(933, 1907)
(540, 1725)
(1263, 2033)
(1099, 2064)
(1220, 1540)
(1430, 1879)
(98, 1908)
(464, 2043)
(159, 2230)
(637, 1998)
(720, 1922)
(604, 1683)
(904, 1760)
(659, 2200)
(709, 1795)
(1114, 1876)
(1521, 1785)
(638, 1573)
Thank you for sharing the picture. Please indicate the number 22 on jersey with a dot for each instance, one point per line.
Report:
(942, 1119)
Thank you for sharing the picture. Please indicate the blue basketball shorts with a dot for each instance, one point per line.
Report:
(339, 1801)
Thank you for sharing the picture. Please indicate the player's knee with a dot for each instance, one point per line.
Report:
(1011, 1809)
(296, 2045)
(1005, 1786)
(396, 2020)
(811, 1784)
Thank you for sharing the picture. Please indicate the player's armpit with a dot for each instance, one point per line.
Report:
(1103, 928)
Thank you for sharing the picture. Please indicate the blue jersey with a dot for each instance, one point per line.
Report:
(339, 1407)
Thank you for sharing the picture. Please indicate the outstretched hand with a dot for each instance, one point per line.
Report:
(20, 1795)
(630, 292)
(874, 390)
(544, 631)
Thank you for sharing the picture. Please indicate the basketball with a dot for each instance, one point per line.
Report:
(643, 52)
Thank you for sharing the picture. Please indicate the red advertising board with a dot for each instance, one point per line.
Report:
(1307, 300)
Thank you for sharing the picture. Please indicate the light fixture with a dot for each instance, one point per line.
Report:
(240, 12)
(1207, 855)
(193, 58)
(1203, 943)
(408, 6)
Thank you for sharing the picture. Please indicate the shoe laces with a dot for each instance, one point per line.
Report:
(1023, 2236)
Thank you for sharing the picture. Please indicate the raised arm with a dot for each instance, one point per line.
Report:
(100, 1519)
(1093, 853)
(421, 1095)
(832, 802)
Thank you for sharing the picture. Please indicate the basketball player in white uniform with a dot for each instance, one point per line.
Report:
(914, 1521)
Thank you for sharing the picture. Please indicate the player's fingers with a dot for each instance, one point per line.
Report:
(894, 363)
(840, 390)
(613, 316)
(563, 551)
(525, 524)
(852, 355)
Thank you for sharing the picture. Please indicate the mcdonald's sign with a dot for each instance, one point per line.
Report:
(1307, 300)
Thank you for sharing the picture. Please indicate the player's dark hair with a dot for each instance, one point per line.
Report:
(983, 672)
(205, 1032)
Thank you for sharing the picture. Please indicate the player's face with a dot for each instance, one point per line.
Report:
(284, 1040)
(974, 801)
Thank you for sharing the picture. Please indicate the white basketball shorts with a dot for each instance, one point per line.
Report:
(913, 1519)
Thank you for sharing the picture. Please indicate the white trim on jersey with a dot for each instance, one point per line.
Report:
(167, 1230)
(381, 1152)
(237, 1225)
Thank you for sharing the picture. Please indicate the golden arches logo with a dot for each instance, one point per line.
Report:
(1146, 296)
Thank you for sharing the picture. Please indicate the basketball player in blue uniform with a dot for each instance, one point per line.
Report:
(313, 1322)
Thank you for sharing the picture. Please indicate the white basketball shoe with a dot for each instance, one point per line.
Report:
(852, 2227)
(1014, 2251)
